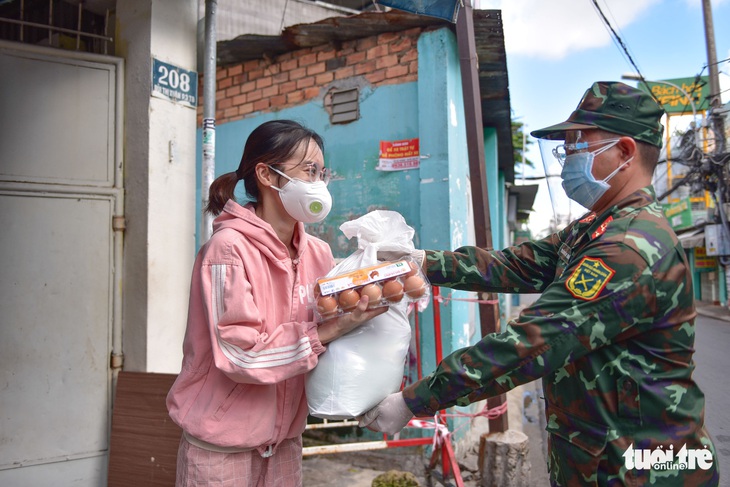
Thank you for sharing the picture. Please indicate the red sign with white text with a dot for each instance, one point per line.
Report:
(399, 155)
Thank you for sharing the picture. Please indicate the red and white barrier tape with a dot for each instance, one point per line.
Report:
(445, 300)
(442, 432)
(488, 413)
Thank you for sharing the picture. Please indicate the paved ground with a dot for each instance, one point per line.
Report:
(358, 469)
(712, 338)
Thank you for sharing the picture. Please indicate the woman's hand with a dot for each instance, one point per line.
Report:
(336, 327)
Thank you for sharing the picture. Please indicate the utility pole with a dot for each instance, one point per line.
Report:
(718, 161)
(715, 101)
(209, 90)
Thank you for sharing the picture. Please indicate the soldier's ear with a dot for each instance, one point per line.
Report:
(628, 148)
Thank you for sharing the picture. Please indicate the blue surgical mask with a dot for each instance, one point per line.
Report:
(578, 181)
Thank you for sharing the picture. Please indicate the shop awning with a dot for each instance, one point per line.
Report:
(692, 239)
(525, 199)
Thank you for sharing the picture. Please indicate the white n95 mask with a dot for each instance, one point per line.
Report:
(305, 202)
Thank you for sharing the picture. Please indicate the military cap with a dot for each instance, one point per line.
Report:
(614, 107)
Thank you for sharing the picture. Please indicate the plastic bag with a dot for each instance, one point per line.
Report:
(360, 369)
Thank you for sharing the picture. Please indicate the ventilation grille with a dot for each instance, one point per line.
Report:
(344, 106)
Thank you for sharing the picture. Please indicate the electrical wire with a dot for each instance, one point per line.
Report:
(689, 153)
(623, 47)
(283, 15)
(625, 51)
(718, 62)
(619, 34)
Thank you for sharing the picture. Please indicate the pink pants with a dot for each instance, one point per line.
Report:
(197, 467)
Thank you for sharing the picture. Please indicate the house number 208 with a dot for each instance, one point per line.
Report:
(173, 79)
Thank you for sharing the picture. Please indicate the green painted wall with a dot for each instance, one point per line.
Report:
(351, 151)
(446, 220)
(434, 199)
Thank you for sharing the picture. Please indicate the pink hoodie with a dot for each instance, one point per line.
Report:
(250, 337)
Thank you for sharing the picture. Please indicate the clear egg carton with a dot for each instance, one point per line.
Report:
(386, 284)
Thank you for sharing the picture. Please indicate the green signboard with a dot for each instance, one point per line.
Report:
(679, 214)
(674, 100)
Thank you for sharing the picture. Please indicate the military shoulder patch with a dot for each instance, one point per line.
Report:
(588, 218)
(602, 228)
(589, 278)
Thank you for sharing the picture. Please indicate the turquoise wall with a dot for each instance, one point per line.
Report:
(351, 151)
(497, 208)
(446, 221)
(435, 199)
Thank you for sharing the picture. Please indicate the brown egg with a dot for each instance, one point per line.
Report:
(414, 286)
(414, 269)
(316, 291)
(348, 299)
(326, 306)
(373, 292)
(393, 291)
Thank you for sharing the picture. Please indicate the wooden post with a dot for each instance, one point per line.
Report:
(488, 312)
(504, 459)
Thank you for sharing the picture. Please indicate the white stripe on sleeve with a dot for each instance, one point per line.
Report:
(272, 357)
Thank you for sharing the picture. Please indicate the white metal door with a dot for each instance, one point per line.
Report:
(60, 189)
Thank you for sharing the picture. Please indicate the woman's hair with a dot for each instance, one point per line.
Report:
(270, 143)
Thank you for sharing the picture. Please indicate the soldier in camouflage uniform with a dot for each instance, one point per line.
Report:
(612, 333)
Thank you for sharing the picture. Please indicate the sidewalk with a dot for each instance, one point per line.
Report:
(712, 310)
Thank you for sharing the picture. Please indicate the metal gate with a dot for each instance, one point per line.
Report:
(60, 293)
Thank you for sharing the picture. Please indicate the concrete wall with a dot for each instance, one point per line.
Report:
(446, 221)
(295, 85)
(159, 153)
(498, 196)
(410, 86)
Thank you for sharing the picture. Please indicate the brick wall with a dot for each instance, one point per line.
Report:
(293, 78)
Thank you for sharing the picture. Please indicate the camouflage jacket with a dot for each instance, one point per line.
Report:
(611, 336)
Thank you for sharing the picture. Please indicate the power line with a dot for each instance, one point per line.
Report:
(283, 15)
(623, 47)
(718, 62)
(617, 30)
(617, 37)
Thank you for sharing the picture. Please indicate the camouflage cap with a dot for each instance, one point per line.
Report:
(614, 107)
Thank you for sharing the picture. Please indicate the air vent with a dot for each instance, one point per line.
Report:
(344, 105)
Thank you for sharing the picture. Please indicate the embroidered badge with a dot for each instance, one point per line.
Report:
(602, 228)
(589, 218)
(589, 278)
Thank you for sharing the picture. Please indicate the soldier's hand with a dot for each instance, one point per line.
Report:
(390, 416)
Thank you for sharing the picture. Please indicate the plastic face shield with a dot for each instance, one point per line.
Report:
(552, 153)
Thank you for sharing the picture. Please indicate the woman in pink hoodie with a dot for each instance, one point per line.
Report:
(250, 336)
